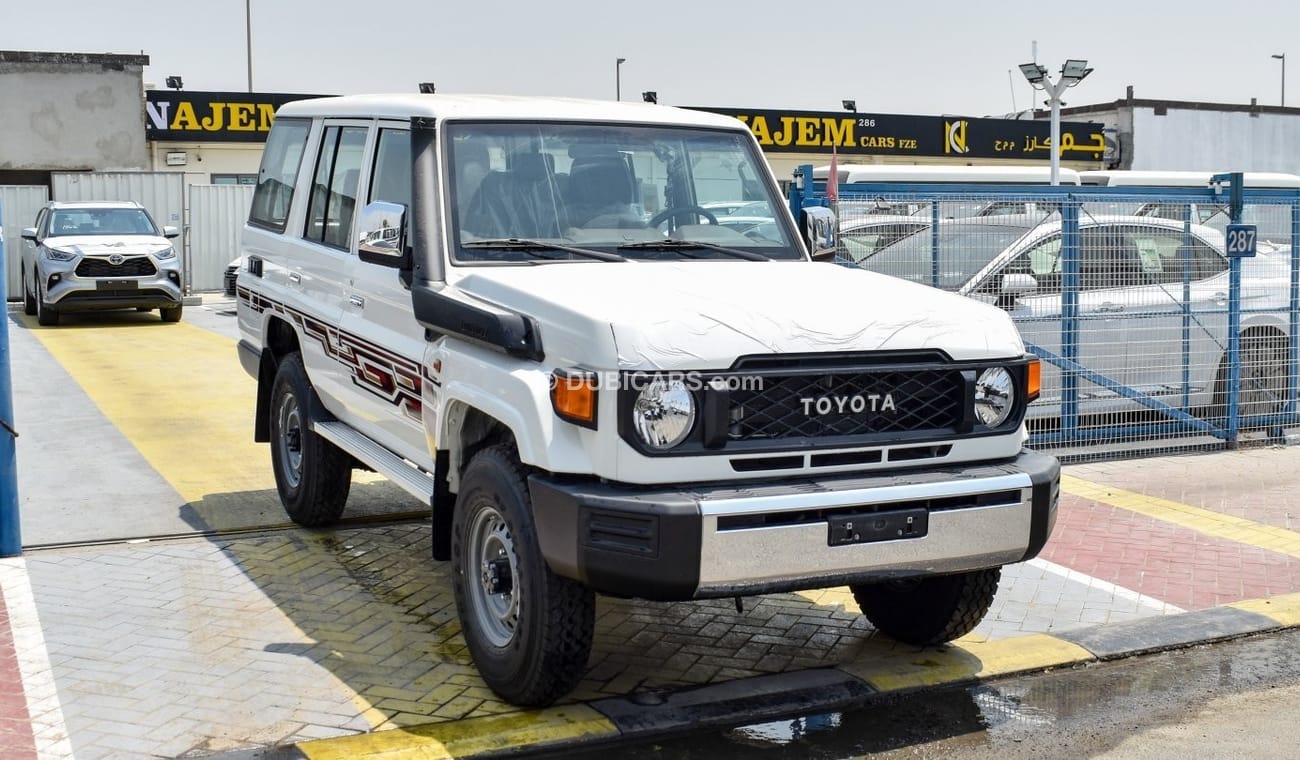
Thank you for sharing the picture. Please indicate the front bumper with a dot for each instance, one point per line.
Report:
(731, 540)
(65, 290)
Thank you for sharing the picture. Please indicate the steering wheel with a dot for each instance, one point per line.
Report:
(676, 211)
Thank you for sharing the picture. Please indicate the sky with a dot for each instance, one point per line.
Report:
(940, 57)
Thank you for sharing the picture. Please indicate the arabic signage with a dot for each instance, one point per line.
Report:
(863, 134)
(177, 115)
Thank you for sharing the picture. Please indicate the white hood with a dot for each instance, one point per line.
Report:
(704, 314)
(107, 245)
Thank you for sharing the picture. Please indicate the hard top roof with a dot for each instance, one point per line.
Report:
(92, 204)
(505, 107)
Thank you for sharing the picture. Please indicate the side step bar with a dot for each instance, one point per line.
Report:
(413, 480)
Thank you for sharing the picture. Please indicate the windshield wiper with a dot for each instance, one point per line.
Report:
(535, 247)
(686, 245)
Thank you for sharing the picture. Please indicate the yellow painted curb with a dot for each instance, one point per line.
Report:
(1285, 609)
(466, 738)
(1205, 521)
(966, 660)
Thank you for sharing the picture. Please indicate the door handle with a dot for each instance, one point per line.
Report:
(1110, 307)
(295, 278)
(357, 301)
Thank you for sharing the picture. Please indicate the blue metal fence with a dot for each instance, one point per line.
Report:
(1174, 343)
(10, 538)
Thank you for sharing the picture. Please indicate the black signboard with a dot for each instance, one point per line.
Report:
(177, 115)
(865, 134)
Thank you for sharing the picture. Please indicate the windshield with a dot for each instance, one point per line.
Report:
(101, 221)
(964, 249)
(605, 187)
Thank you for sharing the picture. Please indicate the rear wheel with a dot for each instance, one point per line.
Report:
(931, 610)
(312, 475)
(528, 630)
(172, 314)
(29, 296)
(1263, 377)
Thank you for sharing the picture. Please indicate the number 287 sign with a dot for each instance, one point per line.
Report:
(1240, 240)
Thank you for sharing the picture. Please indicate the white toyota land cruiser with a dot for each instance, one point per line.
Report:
(521, 311)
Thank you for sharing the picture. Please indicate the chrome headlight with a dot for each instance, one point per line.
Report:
(663, 413)
(995, 396)
(166, 253)
(54, 254)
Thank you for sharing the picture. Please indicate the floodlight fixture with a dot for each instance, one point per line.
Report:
(427, 88)
(175, 82)
(1074, 71)
(850, 105)
(650, 96)
(1036, 73)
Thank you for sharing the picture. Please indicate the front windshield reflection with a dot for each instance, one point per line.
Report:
(602, 188)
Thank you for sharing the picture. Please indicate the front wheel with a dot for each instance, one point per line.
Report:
(931, 610)
(172, 314)
(46, 315)
(312, 475)
(29, 295)
(528, 630)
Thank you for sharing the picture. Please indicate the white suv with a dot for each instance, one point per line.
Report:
(522, 311)
(99, 255)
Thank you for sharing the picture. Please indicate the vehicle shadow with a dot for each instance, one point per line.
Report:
(379, 614)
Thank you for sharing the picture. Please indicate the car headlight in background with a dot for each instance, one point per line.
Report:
(995, 396)
(166, 253)
(663, 413)
(54, 254)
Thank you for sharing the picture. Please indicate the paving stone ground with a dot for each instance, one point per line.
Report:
(200, 644)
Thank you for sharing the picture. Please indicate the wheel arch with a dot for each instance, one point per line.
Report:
(279, 339)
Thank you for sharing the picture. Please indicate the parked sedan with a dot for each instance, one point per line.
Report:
(1135, 275)
(863, 236)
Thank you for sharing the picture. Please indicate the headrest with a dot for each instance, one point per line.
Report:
(532, 166)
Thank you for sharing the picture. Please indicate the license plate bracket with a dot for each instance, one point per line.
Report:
(870, 527)
(117, 285)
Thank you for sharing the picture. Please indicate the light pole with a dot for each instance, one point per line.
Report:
(248, 39)
(1072, 73)
(618, 78)
(1282, 57)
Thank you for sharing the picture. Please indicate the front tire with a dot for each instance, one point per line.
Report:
(931, 610)
(46, 315)
(172, 314)
(29, 295)
(528, 630)
(312, 475)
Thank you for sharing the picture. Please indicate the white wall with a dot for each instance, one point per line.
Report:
(1215, 141)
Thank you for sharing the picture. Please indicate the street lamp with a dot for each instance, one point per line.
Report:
(618, 78)
(850, 105)
(650, 96)
(1072, 73)
(1282, 57)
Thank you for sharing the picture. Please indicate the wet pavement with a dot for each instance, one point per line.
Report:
(165, 606)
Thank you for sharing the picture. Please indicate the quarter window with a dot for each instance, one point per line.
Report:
(275, 180)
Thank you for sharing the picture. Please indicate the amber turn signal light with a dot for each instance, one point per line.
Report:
(573, 395)
(1034, 378)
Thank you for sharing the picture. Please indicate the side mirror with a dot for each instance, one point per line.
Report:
(1018, 284)
(819, 231)
(29, 233)
(382, 237)
(171, 232)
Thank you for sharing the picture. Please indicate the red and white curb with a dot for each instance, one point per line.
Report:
(48, 728)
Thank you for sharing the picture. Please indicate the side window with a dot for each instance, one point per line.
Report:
(1206, 261)
(1043, 261)
(40, 222)
(275, 180)
(1160, 254)
(334, 186)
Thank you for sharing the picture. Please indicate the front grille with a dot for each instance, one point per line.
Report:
(134, 266)
(855, 403)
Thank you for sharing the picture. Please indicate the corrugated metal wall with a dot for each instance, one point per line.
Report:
(20, 204)
(217, 215)
(162, 193)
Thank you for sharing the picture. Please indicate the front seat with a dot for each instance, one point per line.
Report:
(601, 191)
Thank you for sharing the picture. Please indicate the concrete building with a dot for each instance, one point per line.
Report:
(70, 112)
(1188, 135)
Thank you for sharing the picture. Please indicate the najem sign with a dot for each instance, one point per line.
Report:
(928, 136)
(177, 115)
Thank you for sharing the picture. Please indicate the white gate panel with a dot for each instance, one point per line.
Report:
(18, 207)
(161, 193)
(217, 215)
